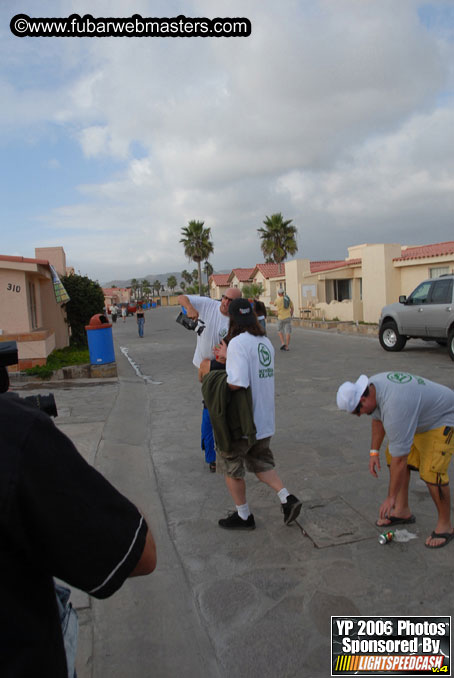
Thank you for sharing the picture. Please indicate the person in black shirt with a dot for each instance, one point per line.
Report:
(60, 518)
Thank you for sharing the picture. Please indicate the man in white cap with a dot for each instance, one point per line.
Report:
(417, 416)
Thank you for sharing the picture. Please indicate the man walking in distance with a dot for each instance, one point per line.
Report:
(417, 416)
(284, 306)
(250, 363)
(215, 315)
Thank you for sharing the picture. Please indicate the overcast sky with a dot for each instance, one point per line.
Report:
(338, 113)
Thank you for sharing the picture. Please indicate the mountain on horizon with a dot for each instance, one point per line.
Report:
(162, 277)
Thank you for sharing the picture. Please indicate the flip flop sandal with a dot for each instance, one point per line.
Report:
(395, 520)
(441, 535)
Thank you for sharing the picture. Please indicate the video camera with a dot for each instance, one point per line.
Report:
(197, 325)
(9, 356)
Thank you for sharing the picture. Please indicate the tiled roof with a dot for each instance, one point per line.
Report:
(319, 266)
(243, 274)
(271, 270)
(24, 260)
(422, 251)
(220, 278)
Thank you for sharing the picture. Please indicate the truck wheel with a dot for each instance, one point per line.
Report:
(389, 337)
(451, 344)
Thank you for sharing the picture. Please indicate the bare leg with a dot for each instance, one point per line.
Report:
(442, 500)
(237, 489)
(288, 340)
(271, 478)
(401, 508)
(281, 337)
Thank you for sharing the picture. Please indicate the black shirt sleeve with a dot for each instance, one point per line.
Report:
(75, 524)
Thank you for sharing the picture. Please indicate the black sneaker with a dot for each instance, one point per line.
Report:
(291, 508)
(212, 467)
(234, 522)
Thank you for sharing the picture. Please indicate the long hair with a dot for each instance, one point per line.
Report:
(235, 329)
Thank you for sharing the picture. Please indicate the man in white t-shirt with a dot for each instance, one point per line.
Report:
(250, 362)
(417, 416)
(215, 315)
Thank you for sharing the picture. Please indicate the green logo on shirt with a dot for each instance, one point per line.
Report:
(399, 377)
(265, 360)
(222, 333)
(264, 355)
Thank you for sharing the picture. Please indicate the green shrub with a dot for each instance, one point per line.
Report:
(71, 355)
(86, 299)
(61, 357)
(41, 371)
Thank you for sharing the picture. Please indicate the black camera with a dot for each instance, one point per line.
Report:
(197, 325)
(9, 356)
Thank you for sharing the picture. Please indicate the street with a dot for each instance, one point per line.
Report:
(254, 604)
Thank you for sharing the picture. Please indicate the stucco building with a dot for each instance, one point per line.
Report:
(272, 278)
(29, 310)
(239, 277)
(218, 283)
(371, 276)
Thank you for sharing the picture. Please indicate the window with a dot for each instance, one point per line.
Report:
(32, 305)
(342, 289)
(419, 296)
(436, 271)
(441, 292)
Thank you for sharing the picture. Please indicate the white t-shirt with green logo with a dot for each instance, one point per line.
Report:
(217, 326)
(250, 362)
(408, 404)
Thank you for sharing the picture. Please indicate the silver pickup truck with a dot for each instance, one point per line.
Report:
(427, 314)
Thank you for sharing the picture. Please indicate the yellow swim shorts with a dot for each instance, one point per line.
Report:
(430, 454)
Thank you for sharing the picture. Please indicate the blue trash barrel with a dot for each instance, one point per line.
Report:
(100, 340)
(153, 305)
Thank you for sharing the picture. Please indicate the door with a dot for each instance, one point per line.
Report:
(412, 314)
(439, 312)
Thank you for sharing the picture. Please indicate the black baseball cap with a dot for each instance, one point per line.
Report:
(241, 311)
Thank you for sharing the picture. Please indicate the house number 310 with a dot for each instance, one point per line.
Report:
(13, 288)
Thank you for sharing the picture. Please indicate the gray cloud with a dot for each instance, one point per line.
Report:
(336, 114)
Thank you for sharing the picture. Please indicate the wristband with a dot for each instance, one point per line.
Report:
(374, 453)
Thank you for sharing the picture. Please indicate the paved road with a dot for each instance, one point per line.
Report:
(254, 604)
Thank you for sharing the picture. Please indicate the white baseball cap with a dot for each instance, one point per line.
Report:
(349, 393)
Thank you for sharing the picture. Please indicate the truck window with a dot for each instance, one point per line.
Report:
(441, 292)
(420, 294)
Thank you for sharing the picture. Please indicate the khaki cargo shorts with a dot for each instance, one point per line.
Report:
(284, 326)
(430, 454)
(256, 459)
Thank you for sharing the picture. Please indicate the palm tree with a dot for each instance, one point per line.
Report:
(182, 285)
(197, 245)
(134, 286)
(146, 288)
(208, 270)
(156, 286)
(278, 238)
(171, 282)
(186, 276)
